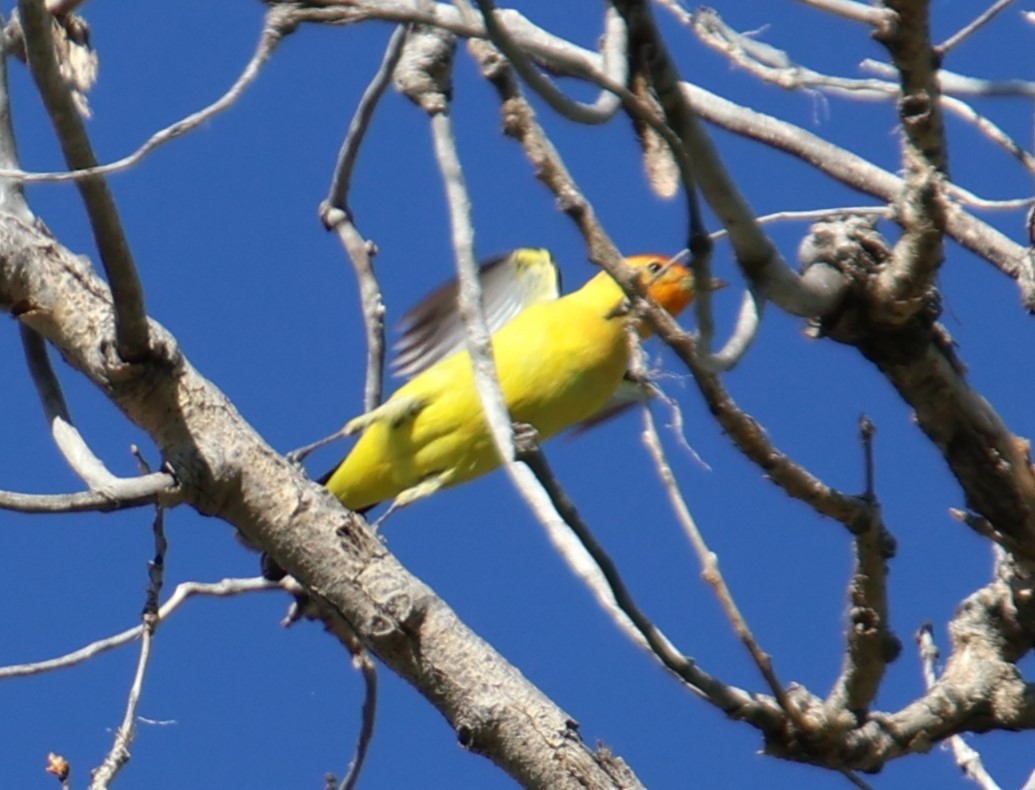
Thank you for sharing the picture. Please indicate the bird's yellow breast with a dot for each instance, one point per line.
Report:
(558, 363)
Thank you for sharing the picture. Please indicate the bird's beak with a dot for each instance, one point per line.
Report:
(715, 285)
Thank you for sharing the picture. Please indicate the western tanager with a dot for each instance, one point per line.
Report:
(559, 361)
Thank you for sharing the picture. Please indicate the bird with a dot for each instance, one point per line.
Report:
(559, 360)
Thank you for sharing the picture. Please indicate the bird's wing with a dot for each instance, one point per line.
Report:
(510, 283)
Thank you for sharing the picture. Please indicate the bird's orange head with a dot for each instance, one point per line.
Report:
(665, 280)
(668, 281)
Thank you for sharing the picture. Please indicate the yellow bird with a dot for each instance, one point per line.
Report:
(559, 360)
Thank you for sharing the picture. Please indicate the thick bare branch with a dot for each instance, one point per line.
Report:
(903, 283)
(991, 464)
(227, 471)
(967, 758)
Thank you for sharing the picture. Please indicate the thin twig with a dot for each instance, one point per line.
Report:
(779, 69)
(983, 527)
(436, 102)
(336, 216)
(183, 591)
(119, 755)
(125, 493)
(867, 430)
(810, 215)
(280, 21)
(749, 437)
(857, 12)
(848, 9)
(855, 779)
(615, 63)
(745, 330)
(968, 30)
(361, 253)
(712, 575)
(107, 492)
(961, 84)
(131, 327)
(297, 455)
(363, 662)
(69, 441)
(733, 701)
(337, 196)
(12, 194)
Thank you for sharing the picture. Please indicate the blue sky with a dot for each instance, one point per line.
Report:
(224, 228)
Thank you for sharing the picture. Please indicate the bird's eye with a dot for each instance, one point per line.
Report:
(654, 267)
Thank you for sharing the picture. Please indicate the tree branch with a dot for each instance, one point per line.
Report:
(131, 329)
(759, 259)
(871, 643)
(902, 286)
(182, 593)
(615, 67)
(561, 56)
(918, 358)
(12, 194)
(336, 216)
(119, 755)
(227, 471)
(125, 493)
(280, 21)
